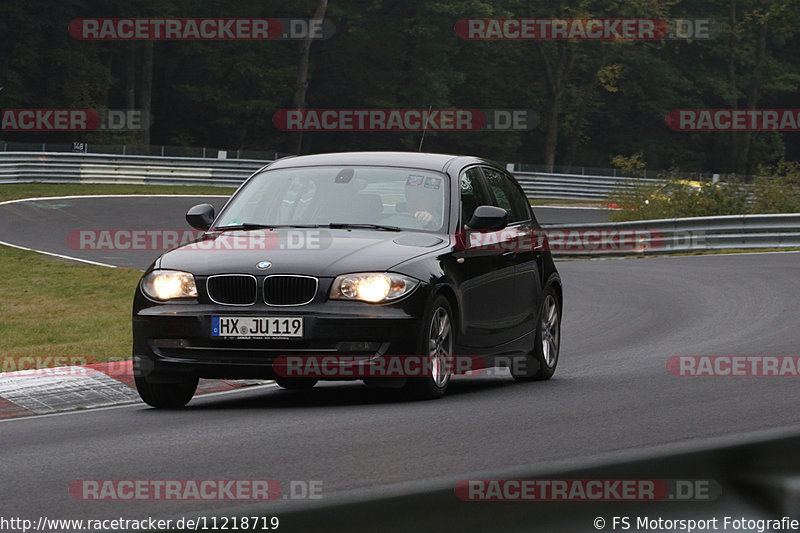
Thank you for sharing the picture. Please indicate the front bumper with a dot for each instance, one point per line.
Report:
(175, 338)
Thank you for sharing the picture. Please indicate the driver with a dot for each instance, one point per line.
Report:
(425, 205)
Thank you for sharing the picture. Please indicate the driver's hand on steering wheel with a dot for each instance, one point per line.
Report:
(425, 218)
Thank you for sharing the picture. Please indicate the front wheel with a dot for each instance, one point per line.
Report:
(541, 364)
(437, 343)
(166, 393)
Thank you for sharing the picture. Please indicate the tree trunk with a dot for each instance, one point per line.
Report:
(301, 82)
(557, 73)
(146, 90)
(753, 94)
(585, 97)
(734, 101)
(130, 76)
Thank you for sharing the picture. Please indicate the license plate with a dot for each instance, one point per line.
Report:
(275, 327)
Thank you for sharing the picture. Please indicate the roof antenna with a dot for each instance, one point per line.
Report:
(424, 127)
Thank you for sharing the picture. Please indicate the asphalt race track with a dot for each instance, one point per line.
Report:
(611, 394)
(46, 224)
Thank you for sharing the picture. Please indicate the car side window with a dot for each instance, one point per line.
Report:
(507, 195)
(473, 193)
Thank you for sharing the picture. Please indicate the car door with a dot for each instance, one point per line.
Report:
(522, 254)
(483, 273)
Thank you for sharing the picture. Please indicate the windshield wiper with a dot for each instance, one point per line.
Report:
(347, 225)
(252, 225)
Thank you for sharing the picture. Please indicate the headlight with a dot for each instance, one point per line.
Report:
(372, 287)
(169, 284)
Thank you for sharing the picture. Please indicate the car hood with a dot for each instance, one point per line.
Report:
(317, 252)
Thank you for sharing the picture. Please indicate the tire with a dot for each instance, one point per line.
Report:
(166, 393)
(437, 341)
(296, 383)
(541, 364)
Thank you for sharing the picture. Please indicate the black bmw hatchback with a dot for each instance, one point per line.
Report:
(389, 267)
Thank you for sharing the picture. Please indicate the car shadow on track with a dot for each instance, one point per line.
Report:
(343, 394)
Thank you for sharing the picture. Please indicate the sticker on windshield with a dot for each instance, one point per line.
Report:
(433, 183)
(415, 180)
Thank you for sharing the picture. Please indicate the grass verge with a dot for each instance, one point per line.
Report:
(54, 307)
(15, 191)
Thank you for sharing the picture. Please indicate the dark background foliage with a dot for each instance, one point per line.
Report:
(597, 100)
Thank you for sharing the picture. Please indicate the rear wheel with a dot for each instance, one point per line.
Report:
(165, 393)
(296, 383)
(437, 342)
(541, 364)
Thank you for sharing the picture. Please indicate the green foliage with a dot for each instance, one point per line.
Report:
(779, 193)
(776, 196)
(630, 166)
(679, 198)
(786, 171)
(613, 96)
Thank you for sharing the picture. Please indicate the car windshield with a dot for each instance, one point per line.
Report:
(372, 197)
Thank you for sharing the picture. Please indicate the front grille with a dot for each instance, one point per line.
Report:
(232, 289)
(289, 290)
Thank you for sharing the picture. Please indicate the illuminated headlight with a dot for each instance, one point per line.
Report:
(169, 284)
(372, 287)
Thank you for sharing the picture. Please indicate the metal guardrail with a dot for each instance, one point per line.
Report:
(25, 167)
(22, 167)
(679, 235)
(162, 150)
(574, 186)
(676, 235)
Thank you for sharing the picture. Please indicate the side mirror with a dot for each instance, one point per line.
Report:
(488, 217)
(200, 216)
